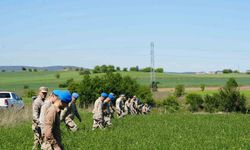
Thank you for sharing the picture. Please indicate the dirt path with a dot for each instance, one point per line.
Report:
(198, 89)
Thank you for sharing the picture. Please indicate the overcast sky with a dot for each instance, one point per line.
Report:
(189, 35)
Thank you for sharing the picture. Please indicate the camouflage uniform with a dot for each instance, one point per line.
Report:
(98, 114)
(67, 115)
(36, 110)
(52, 133)
(127, 107)
(133, 107)
(44, 108)
(107, 114)
(119, 107)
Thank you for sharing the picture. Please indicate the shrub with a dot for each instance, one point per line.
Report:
(159, 70)
(179, 90)
(195, 102)
(171, 104)
(57, 76)
(25, 87)
(84, 72)
(202, 87)
(30, 93)
(145, 94)
(211, 103)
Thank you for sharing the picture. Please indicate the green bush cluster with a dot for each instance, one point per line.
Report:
(179, 90)
(90, 88)
(228, 99)
(171, 104)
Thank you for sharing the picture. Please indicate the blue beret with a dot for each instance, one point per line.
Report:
(64, 96)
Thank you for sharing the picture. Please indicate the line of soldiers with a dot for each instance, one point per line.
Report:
(103, 110)
(60, 106)
(48, 113)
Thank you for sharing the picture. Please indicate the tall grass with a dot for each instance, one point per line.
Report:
(13, 117)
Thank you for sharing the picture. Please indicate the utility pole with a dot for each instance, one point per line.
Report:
(153, 83)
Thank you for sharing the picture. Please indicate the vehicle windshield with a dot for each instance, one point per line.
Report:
(4, 95)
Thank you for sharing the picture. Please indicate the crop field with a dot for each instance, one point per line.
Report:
(157, 130)
(154, 131)
(15, 81)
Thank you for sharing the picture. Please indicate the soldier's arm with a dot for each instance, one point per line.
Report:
(48, 125)
(75, 111)
(35, 112)
(63, 114)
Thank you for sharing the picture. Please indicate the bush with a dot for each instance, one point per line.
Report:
(159, 70)
(171, 104)
(84, 72)
(145, 94)
(25, 87)
(231, 100)
(211, 103)
(30, 93)
(227, 71)
(91, 87)
(57, 76)
(179, 90)
(195, 102)
(66, 84)
(202, 87)
(232, 83)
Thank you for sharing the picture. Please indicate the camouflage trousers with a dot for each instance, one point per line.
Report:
(107, 120)
(98, 123)
(71, 125)
(120, 113)
(37, 136)
(48, 146)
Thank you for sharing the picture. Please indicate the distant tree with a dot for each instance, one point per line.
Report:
(159, 70)
(203, 86)
(77, 69)
(118, 69)
(227, 71)
(248, 72)
(236, 71)
(232, 83)
(24, 69)
(97, 69)
(57, 76)
(84, 72)
(179, 90)
(133, 68)
(147, 69)
(30, 70)
(35, 70)
(25, 87)
(3, 70)
(125, 69)
(81, 69)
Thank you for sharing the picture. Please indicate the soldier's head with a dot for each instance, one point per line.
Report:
(110, 97)
(43, 91)
(74, 97)
(122, 96)
(63, 98)
(104, 96)
(134, 97)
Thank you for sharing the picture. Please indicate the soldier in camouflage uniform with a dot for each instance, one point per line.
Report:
(107, 110)
(52, 132)
(36, 110)
(98, 112)
(120, 106)
(67, 115)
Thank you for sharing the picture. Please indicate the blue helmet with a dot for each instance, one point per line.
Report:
(105, 95)
(111, 96)
(64, 96)
(75, 95)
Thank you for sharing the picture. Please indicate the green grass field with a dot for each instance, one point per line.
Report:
(15, 81)
(155, 131)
